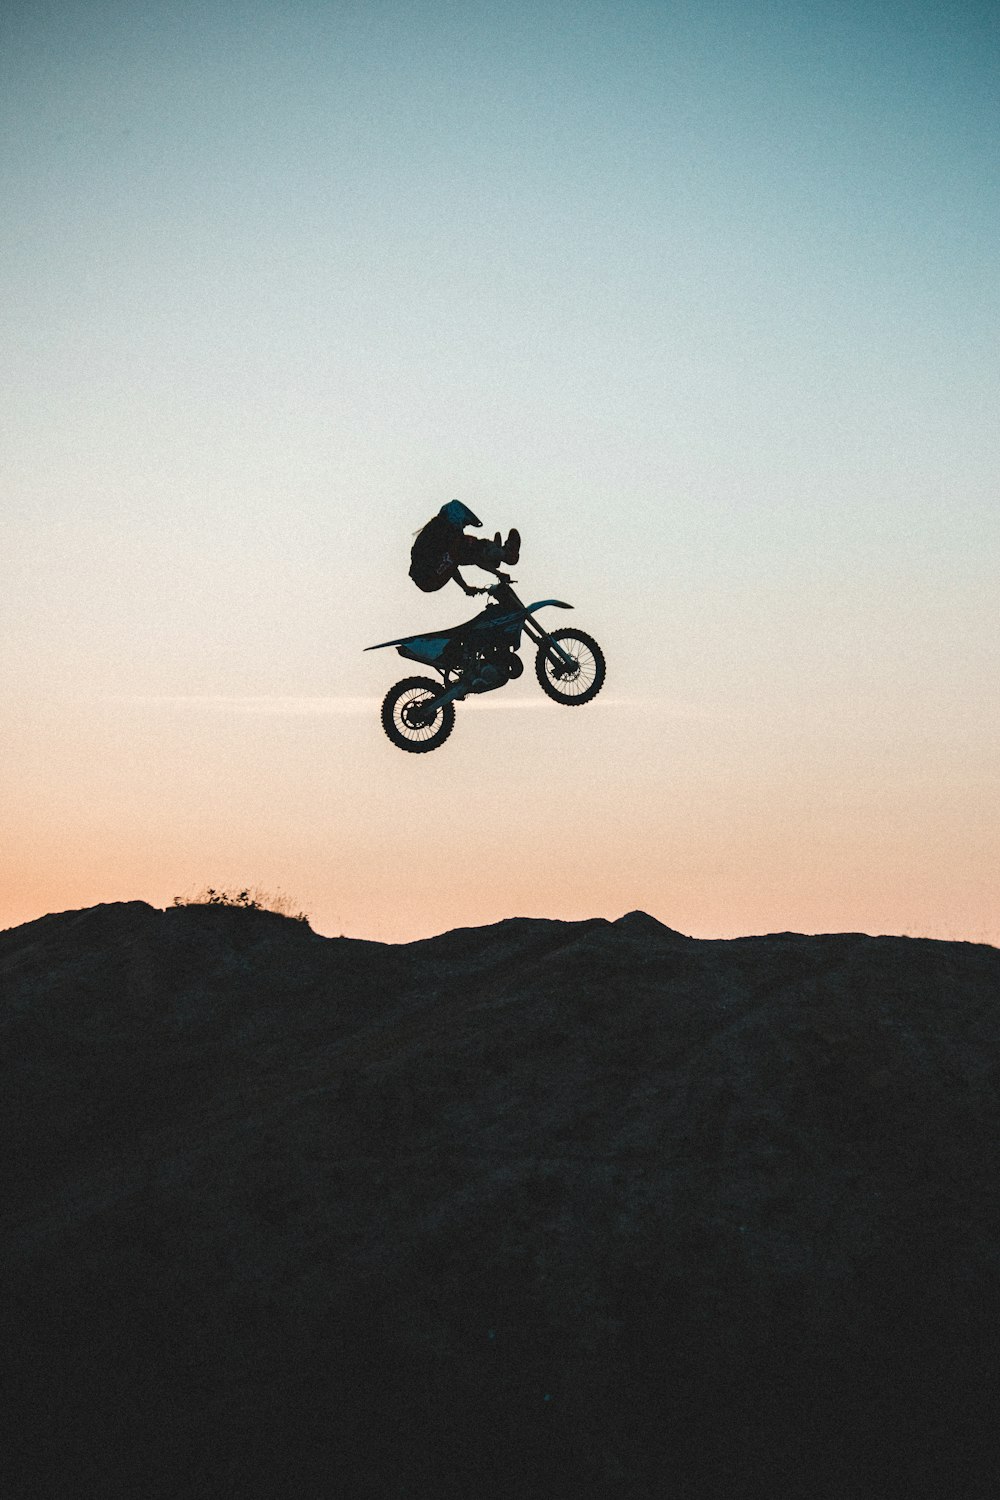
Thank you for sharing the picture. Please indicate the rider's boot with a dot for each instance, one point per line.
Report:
(512, 547)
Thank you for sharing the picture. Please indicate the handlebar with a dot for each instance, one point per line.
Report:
(494, 588)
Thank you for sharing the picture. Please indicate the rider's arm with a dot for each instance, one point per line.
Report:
(463, 585)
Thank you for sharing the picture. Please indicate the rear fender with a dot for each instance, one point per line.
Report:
(431, 645)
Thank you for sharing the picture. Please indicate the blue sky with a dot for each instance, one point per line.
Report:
(703, 298)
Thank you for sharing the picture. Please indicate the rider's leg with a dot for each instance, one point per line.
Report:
(477, 551)
(510, 550)
(486, 554)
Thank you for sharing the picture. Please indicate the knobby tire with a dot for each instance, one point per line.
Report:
(417, 739)
(590, 673)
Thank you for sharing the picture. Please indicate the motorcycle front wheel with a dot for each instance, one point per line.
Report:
(577, 680)
(408, 723)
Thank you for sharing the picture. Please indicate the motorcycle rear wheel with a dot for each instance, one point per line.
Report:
(406, 725)
(579, 683)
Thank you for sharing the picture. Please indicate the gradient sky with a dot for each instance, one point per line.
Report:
(702, 297)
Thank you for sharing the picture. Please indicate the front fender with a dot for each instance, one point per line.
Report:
(558, 603)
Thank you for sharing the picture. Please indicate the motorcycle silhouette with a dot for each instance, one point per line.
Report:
(418, 714)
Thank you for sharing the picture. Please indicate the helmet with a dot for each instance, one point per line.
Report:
(459, 514)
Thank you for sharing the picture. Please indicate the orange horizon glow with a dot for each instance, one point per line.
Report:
(738, 849)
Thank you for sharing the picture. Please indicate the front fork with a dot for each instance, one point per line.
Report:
(540, 637)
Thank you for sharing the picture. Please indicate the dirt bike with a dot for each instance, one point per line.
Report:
(418, 714)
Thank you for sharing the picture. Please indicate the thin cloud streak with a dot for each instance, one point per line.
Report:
(312, 707)
(675, 710)
(295, 707)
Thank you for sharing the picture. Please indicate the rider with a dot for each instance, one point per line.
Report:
(442, 547)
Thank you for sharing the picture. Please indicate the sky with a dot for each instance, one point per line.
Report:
(703, 298)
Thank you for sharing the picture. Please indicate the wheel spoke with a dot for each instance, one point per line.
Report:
(403, 715)
(406, 716)
(580, 675)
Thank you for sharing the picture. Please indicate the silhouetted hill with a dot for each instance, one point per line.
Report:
(531, 1210)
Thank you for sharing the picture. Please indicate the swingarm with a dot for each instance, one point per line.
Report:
(430, 706)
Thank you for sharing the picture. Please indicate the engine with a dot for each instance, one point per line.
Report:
(491, 669)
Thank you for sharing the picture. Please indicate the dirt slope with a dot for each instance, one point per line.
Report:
(537, 1209)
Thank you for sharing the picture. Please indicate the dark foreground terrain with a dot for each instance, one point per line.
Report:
(539, 1209)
